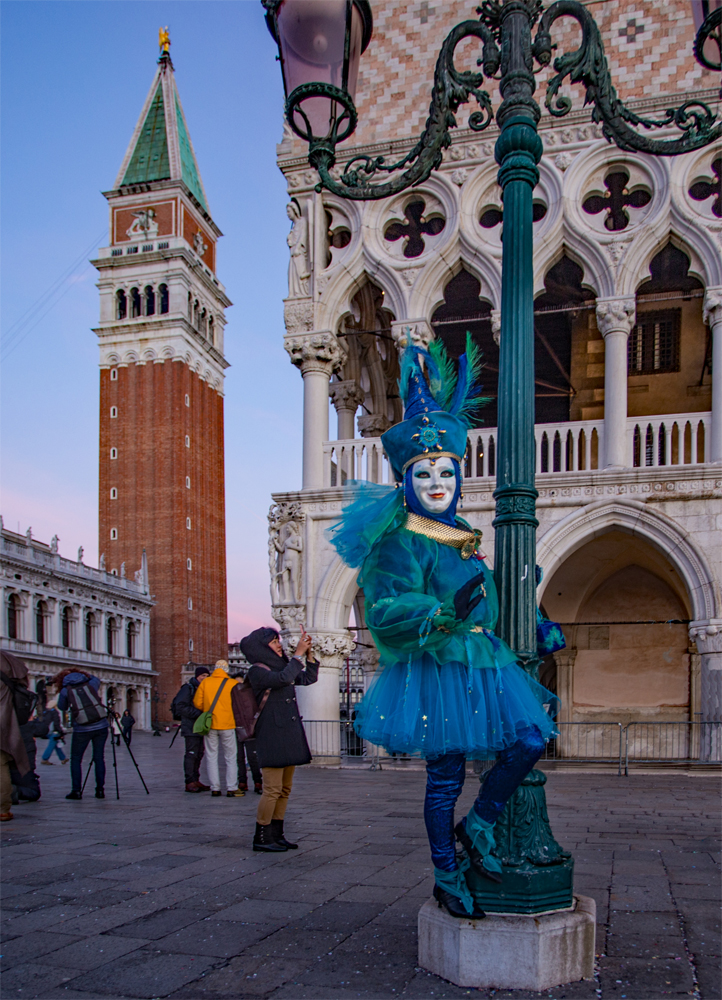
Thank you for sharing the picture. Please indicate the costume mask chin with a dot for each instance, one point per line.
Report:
(434, 482)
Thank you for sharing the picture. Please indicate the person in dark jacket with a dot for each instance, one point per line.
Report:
(52, 729)
(185, 710)
(281, 742)
(83, 733)
(13, 748)
(126, 724)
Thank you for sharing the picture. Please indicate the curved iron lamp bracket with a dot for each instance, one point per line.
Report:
(588, 65)
(451, 88)
(711, 27)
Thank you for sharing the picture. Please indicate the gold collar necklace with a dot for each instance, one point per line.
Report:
(458, 538)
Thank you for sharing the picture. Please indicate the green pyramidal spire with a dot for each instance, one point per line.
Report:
(161, 147)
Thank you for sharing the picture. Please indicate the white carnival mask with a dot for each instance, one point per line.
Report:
(434, 482)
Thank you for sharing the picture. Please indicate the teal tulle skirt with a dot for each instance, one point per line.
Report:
(429, 710)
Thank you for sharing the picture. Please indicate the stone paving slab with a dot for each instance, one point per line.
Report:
(161, 895)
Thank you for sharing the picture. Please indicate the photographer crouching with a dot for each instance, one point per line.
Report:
(280, 738)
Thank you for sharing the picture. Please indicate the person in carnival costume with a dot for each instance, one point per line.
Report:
(448, 688)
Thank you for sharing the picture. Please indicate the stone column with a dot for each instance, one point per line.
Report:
(713, 317)
(418, 329)
(346, 397)
(708, 637)
(318, 355)
(615, 319)
(321, 701)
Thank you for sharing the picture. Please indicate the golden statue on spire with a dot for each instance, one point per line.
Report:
(164, 40)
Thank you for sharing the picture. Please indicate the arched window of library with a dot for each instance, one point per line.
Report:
(13, 612)
(130, 637)
(41, 613)
(90, 622)
(110, 636)
(65, 627)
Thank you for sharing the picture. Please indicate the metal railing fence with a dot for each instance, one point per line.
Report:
(608, 743)
(672, 743)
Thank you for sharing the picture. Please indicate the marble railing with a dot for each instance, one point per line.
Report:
(572, 446)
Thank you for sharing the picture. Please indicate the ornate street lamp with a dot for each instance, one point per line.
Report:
(514, 35)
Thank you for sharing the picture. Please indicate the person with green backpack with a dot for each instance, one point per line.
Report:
(218, 725)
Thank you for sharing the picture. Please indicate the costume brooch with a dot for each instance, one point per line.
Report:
(429, 435)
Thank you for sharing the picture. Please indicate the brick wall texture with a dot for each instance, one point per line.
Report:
(648, 47)
(154, 465)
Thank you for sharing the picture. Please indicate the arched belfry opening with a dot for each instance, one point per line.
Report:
(562, 319)
(369, 378)
(623, 606)
(464, 310)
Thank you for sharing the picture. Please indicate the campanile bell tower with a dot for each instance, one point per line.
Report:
(161, 388)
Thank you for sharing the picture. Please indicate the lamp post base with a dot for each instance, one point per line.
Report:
(510, 950)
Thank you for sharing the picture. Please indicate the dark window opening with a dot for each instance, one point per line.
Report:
(40, 612)
(415, 228)
(163, 298)
(135, 304)
(65, 627)
(130, 641)
(89, 622)
(13, 614)
(553, 340)
(464, 311)
(149, 301)
(615, 200)
(492, 217)
(110, 636)
(703, 189)
(121, 304)
(653, 346)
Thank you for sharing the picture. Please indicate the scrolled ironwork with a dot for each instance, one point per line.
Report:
(451, 88)
(588, 65)
(711, 27)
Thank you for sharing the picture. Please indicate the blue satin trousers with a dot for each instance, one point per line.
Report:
(445, 779)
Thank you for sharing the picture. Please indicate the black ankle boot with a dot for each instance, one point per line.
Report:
(277, 831)
(265, 841)
(453, 905)
(476, 860)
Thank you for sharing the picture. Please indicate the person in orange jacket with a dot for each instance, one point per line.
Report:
(223, 729)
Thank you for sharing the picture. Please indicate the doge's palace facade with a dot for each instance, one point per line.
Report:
(628, 314)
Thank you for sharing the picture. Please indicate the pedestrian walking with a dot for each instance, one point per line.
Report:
(78, 693)
(126, 724)
(186, 713)
(280, 738)
(52, 725)
(247, 749)
(214, 696)
(14, 676)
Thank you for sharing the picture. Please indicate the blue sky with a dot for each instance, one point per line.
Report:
(74, 78)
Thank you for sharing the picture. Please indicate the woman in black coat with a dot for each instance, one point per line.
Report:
(281, 742)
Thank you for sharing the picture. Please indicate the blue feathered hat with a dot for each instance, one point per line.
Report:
(440, 405)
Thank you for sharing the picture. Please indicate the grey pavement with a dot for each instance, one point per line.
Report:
(161, 895)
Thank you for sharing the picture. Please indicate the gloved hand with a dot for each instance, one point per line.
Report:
(464, 603)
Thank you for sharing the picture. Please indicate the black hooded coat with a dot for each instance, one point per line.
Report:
(280, 737)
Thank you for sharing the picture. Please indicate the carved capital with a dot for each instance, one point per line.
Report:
(298, 315)
(346, 395)
(418, 330)
(614, 315)
(317, 351)
(373, 424)
(290, 618)
(707, 635)
(713, 307)
(496, 326)
(329, 644)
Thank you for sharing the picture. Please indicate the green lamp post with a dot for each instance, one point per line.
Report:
(320, 44)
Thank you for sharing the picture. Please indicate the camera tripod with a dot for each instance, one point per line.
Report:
(113, 721)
